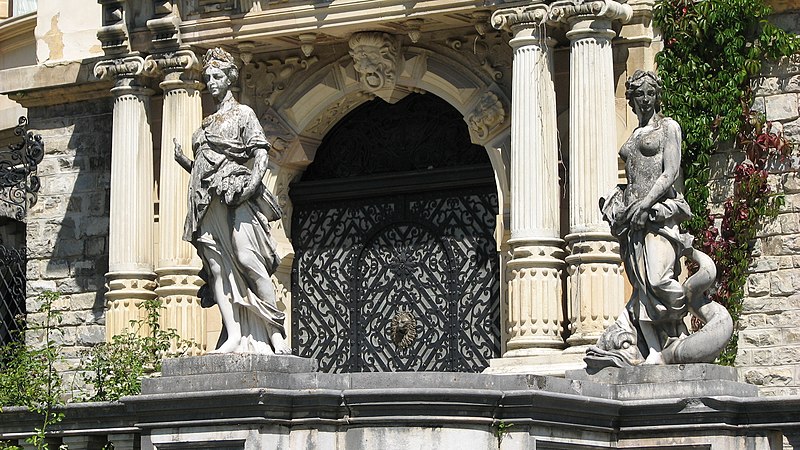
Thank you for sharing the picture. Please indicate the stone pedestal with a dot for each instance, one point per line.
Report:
(671, 381)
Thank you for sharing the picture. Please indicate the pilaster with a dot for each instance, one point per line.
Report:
(130, 278)
(534, 313)
(595, 286)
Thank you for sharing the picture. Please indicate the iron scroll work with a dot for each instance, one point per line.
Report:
(396, 266)
(398, 283)
(18, 177)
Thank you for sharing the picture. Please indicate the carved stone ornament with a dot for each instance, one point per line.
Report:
(128, 67)
(520, 17)
(179, 61)
(565, 10)
(404, 329)
(277, 131)
(487, 115)
(375, 58)
(264, 81)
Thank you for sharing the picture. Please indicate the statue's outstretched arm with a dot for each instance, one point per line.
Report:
(182, 159)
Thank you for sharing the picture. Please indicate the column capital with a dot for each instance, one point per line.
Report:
(573, 11)
(127, 73)
(520, 17)
(116, 68)
(180, 69)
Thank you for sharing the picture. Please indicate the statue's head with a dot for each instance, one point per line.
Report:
(643, 84)
(219, 70)
(374, 58)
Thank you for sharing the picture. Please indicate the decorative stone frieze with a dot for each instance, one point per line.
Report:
(376, 58)
(534, 320)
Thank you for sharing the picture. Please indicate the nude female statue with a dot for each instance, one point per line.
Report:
(646, 216)
(229, 214)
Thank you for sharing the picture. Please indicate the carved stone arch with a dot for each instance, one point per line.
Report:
(314, 104)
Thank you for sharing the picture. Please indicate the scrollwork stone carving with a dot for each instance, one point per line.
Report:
(487, 115)
(264, 81)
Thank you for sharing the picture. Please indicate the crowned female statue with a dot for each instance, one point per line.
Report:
(229, 214)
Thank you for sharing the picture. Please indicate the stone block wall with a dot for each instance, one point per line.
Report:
(67, 229)
(769, 336)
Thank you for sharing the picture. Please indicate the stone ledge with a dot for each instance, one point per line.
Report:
(236, 362)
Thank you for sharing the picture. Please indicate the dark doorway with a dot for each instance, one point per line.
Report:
(395, 266)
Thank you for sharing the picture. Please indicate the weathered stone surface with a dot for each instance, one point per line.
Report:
(782, 107)
(236, 362)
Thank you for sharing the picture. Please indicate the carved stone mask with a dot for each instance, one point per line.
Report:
(375, 59)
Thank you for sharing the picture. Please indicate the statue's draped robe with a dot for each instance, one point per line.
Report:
(221, 231)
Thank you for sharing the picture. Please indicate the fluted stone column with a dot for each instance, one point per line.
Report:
(131, 278)
(178, 264)
(534, 320)
(595, 287)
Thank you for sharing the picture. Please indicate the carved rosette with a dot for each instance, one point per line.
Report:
(376, 58)
(487, 116)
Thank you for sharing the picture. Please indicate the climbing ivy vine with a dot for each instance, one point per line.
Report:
(712, 51)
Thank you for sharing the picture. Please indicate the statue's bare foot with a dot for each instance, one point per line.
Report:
(279, 344)
(229, 346)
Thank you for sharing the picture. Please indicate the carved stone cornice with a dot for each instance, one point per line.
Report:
(179, 68)
(528, 16)
(571, 11)
(113, 35)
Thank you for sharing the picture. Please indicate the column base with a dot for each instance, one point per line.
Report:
(177, 289)
(595, 286)
(126, 291)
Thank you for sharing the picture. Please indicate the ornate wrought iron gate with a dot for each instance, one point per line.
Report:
(398, 283)
(396, 266)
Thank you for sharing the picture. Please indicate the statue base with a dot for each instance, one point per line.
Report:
(668, 381)
(227, 371)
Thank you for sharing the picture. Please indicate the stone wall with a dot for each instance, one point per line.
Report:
(67, 230)
(769, 337)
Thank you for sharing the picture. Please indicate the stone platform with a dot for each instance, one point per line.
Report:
(268, 401)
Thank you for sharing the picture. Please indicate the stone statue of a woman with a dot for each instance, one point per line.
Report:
(645, 216)
(229, 214)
